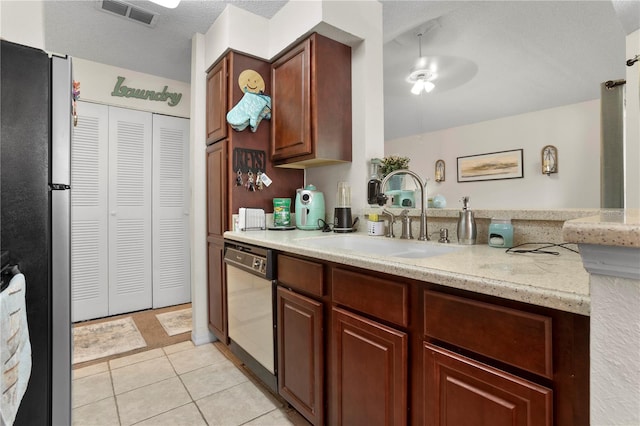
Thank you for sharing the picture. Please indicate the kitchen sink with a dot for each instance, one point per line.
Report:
(379, 246)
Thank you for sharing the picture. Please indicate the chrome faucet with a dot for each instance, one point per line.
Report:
(382, 199)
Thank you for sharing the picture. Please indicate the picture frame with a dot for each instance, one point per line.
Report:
(491, 166)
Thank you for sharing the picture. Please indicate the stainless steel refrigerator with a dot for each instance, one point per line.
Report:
(35, 139)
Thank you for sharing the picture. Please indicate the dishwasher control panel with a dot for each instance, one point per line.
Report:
(260, 264)
(247, 259)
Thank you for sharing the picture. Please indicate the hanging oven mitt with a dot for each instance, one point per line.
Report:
(251, 109)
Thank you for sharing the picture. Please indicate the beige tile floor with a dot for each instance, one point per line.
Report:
(181, 384)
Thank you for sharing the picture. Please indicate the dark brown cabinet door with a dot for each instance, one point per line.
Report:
(369, 367)
(217, 294)
(217, 102)
(217, 189)
(291, 113)
(459, 391)
(301, 354)
(311, 103)
(216, 225)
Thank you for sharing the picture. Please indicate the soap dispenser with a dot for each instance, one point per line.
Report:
(466, 224)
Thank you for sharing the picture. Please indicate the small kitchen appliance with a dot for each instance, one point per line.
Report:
(309, 207)
(342, 214)
(373, 186)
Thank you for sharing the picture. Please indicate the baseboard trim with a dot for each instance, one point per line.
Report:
(202, 338)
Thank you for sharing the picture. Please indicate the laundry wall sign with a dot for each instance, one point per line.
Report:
(123, 91)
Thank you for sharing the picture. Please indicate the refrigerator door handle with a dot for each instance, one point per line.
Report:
(59, 186)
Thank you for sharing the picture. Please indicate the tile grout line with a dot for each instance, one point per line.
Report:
(115, 397)
(164, 380)
(189, 393)
(163, 353)
(257, 417)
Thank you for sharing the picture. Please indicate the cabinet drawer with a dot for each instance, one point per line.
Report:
(511, 336)
(301, 275)
(452, 381)
(379, 297)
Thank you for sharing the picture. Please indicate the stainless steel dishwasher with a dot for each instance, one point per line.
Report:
(250, 308)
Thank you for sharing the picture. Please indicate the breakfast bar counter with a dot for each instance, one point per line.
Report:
(619, 228)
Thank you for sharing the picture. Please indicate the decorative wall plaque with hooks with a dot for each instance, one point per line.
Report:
(249, 160)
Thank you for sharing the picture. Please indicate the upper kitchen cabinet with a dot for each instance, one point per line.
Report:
(311, 98)
(217, 102)
(246, 151)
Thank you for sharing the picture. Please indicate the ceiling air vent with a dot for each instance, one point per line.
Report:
(128, 11)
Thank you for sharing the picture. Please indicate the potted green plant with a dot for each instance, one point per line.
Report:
(393, 162)
(390, 164)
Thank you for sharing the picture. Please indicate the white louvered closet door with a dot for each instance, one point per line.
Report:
(89, 238)
(129, 210)
(171, 260)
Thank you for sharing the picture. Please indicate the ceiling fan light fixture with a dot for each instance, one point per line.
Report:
(417, 87)
(421, 75)
(422, 84)
(429, 86)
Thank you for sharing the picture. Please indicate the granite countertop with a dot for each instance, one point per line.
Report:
(558, 282)
(616, 227)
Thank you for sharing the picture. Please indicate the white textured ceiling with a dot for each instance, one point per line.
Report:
(530, 55)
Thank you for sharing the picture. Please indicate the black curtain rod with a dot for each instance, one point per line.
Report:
(613, 83)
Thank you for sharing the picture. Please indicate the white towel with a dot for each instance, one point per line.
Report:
(15, 349)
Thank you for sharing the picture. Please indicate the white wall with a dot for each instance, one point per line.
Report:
(197, 178)
(22, 22)
(364, 21)
(615, 320)
(97, 82)
(236, 29)
(615, 345)
(632, 143)
(573, 129)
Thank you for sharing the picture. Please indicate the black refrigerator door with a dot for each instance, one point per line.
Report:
(25, 206)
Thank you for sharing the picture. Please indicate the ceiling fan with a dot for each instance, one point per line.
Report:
(437, 73)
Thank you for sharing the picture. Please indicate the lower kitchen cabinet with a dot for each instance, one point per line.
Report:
(216, 291)
(459, 391)
(301, 353)
(398, 351)
(369, 363)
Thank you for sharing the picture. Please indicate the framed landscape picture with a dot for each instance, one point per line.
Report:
(491, 166)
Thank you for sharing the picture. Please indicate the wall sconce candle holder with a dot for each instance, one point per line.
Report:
(549, 160)
(440, 169)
